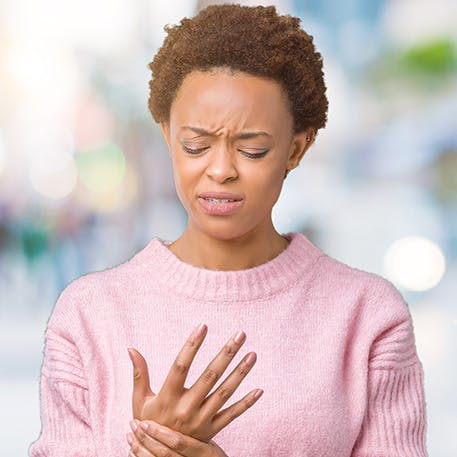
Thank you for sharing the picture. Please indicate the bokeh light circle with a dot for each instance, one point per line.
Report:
(415, 263)
(101, 170)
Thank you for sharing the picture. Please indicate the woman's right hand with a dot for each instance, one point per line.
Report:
(190, 410)
(150, 439)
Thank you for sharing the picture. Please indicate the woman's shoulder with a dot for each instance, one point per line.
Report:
(371, 288)
(373, 302)
(93, 291)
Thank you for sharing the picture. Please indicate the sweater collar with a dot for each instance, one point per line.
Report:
(258, 282)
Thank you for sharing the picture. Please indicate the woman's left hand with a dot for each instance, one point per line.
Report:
(151, 439)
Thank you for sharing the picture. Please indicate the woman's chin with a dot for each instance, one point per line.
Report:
(223, 233)
(224, 229)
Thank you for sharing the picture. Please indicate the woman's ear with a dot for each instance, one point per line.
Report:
(165, 127)
(300, 144)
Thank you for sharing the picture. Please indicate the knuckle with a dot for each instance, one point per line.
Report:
(137, 376)
(165, 453)
(191, 343)
(248, 401)
(223, 393)
(243, 369)
(229, 351)
(177, 443)
(210, 376)
(180, 366)
(179, 423)
(194, 428)
(233, 414)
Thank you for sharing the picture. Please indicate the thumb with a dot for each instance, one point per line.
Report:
(141, 385)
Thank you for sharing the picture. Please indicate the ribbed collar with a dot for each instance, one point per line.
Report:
(264, 280)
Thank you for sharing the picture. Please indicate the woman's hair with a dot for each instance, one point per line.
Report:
(255, 40)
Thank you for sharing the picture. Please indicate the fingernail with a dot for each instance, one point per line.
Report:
(250, 358)
(134, 424)
(258, 393)
(239, 337)
(199, 329)
(144, 425)
(129, 438)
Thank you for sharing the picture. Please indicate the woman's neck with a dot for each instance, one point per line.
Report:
(250, 250)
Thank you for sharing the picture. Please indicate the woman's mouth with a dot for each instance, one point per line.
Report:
(219, 200)
(220, 206)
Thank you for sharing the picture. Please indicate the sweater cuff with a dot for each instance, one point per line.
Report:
(395, 420)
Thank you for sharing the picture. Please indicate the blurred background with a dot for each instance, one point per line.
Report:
(85, 179)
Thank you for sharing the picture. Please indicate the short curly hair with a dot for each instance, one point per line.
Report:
(251, 39)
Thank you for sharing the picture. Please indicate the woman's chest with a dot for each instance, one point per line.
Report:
(305, 409)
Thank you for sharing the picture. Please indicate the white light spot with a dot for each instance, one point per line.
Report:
(415, 263)
(54, 182)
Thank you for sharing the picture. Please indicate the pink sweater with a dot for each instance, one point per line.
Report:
(336, 355)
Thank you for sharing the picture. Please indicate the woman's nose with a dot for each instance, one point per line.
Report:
(221, 165)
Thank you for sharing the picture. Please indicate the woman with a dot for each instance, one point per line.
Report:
(239, 94)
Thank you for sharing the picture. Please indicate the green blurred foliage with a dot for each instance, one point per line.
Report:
(434, 58)
(423, 67)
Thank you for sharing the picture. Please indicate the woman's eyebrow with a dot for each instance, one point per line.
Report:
(241, 136)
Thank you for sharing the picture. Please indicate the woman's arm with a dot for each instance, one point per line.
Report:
(65, 425)
(395, 422)
(395, 418)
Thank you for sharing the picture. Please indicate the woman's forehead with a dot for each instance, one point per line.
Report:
(243, 99)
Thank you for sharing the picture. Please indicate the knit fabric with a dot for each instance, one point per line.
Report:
(336, 355)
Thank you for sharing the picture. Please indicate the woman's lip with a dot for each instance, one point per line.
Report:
(219, 209)
(221, 195)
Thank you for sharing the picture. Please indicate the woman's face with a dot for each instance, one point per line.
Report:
(230, 138)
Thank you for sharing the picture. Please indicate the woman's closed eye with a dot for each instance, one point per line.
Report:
(251, 155)
(194, 151)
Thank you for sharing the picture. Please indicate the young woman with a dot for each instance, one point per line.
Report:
(331, 367)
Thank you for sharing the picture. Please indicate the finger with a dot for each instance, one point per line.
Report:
(155, 436)
(137, 449)
(216, 368)
(213, 403)
(141, 384)
(227, 415)
(140, 372)
(174, 382)
(143, 445)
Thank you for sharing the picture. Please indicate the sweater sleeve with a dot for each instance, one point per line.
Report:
(65, 420)
(394, 424)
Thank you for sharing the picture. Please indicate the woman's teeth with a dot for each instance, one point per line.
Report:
(217, 200)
